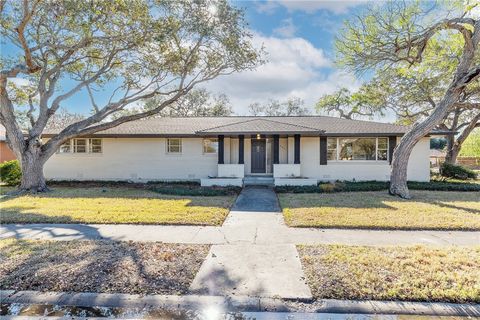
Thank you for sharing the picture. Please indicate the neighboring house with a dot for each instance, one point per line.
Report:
(223, 150)
(6, 154)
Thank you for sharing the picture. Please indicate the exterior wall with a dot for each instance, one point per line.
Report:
(418, 166)
(5, 153)
(286, 170)
(231, 170)
(135, 159)
(144, 159)
(283, 156)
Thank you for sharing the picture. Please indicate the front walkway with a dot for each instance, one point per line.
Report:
(253, 252)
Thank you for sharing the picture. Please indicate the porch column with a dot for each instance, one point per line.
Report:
(296, 158)
(276, 149)
(221, 148)
(241, 148)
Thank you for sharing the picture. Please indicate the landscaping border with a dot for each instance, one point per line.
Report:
(238, 303)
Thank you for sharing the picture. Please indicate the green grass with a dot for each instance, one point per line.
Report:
(447, 274)
(114, 205)
(378, 210)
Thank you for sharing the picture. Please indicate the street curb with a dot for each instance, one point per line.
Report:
(237, 303)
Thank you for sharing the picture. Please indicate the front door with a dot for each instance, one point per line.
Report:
(258, 156)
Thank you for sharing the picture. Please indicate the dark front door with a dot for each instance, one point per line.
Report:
(258, 156)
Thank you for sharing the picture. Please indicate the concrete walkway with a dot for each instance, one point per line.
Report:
(253, 253)
(241, 267)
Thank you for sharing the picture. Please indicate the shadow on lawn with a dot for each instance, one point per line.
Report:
(125, 193)
(375, 200)
(94, 266)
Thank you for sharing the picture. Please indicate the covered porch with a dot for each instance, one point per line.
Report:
(260, 147)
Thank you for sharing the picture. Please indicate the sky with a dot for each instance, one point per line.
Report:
(298, 37)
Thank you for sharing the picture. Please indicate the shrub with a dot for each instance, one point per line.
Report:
(10, 172)
(350, 186)
(327, 187)
(195, 190)
(449, 170)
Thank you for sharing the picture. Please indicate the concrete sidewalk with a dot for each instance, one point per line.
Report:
(250, 227)
(253, 252)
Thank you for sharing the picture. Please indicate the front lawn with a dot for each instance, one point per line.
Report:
(114, 205)
(419, 273)
(99, 266)
(378, 210)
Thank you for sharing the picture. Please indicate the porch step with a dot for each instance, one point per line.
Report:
(258, 181)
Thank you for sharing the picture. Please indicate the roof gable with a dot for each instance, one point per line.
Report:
(259, 125)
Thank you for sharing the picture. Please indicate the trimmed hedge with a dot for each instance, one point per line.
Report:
(10, 172)
(186, 190)
(456, 171)
(349, 186)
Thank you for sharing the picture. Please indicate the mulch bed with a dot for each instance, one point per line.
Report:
(99, 266)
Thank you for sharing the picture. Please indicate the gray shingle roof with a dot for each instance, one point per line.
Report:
(312, 125)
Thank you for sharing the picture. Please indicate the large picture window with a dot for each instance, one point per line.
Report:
(332, 149)
(360, 149)
(210, 145)
(174, 145)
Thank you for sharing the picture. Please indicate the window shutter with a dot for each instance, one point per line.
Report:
(392, 143)
(323, 150)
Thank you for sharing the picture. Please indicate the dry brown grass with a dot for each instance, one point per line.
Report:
(99, 266)
(114, 205)
(378, 210)
(419, 273)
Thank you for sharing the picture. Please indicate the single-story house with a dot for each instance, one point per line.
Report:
(297, 150)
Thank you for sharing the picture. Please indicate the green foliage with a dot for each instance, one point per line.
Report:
(10, 172)
(455, 171)
(438, 143)
(471, 146)
(349, 186)
(192, 190)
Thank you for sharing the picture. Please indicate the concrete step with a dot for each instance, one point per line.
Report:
(258, 181)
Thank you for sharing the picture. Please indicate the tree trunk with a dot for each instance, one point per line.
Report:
(398, 178)
(452, 150)
(33, 179)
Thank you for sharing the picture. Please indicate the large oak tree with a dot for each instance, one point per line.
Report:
(401, 34)
(113, 52)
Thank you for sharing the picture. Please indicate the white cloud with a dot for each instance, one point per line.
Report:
(287, 29)
(308, 6)
(295, 67)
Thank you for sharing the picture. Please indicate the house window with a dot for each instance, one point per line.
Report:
(210, 145)
(174, 145)
(80, 145)
(95, 145)
(357, 149)
(382, 149)
(332, 149)
(66, 147)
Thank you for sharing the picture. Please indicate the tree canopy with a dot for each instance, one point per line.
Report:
(115, 53)
(402, 38)
(291, 107)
